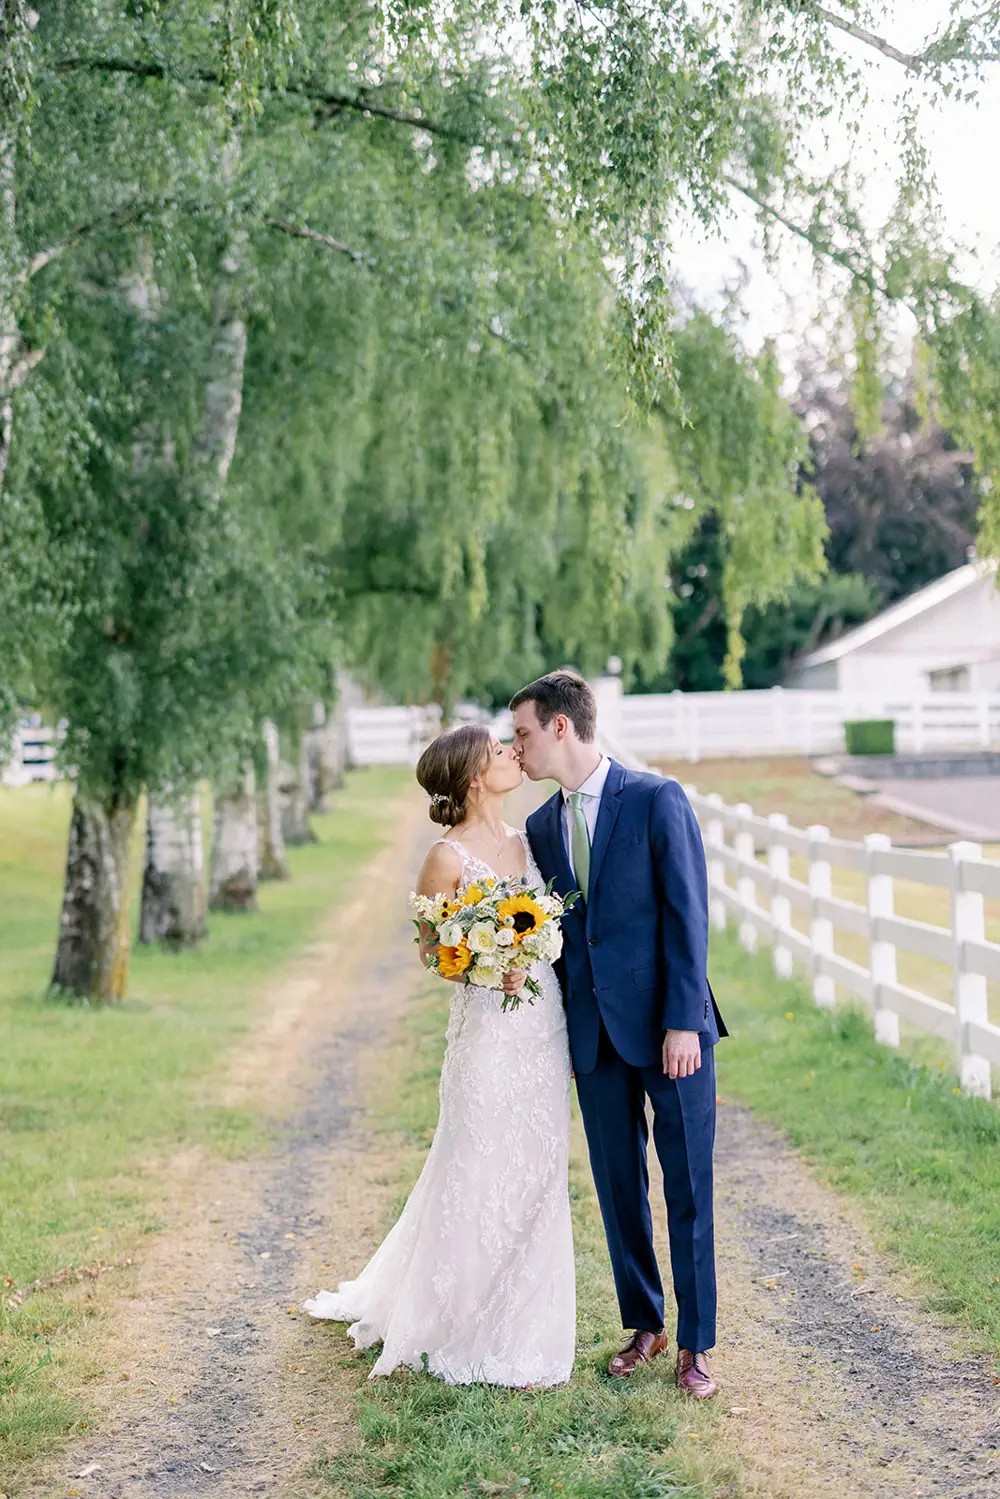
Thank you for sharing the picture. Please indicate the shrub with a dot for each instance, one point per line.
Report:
(870, 736)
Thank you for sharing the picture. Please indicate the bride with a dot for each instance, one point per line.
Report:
(475, 1282)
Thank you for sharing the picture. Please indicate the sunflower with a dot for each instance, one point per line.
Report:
(472, 896)
(523, 913)
(453, 961)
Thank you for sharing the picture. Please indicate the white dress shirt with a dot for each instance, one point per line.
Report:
(592, 789)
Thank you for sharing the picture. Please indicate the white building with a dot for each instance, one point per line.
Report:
(944, 638)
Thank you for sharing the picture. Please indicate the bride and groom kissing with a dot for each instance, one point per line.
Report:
(475, 1283)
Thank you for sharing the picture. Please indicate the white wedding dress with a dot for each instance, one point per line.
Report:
(476, 1282)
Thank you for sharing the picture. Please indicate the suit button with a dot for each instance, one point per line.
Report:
(592, 941)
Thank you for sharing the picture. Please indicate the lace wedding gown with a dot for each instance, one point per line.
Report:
(476, 1280)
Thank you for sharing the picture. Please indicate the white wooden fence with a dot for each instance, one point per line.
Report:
(390, 736)
(375, 736)
(749, 877)
(699, 725)
(33, 757)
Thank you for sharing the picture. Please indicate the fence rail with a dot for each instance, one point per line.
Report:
(750, 879)
(390, 736)
(32, 758)
(375, 736)
(699, 725)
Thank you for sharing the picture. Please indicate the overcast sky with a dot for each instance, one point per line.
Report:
(964, 144)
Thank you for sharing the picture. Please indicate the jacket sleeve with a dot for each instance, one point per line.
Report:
(679, 859)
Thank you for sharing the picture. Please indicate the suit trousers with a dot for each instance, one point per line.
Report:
(613, 1103)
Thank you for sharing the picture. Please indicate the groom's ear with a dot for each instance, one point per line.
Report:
(561, 725)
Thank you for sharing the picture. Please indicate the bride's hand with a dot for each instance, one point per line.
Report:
(514, 982)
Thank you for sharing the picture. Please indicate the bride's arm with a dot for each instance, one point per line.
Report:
(439, 875)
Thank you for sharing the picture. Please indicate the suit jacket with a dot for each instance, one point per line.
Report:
(636, 950)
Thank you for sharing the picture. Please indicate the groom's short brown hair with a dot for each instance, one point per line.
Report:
(563, 692)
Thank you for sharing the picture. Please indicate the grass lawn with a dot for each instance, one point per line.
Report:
(922, 1160)
(91, 1100)
(790, 785)
(597, 1438)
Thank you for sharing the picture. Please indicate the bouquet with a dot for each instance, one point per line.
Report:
(495, 927)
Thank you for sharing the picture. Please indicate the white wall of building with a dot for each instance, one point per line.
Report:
(960, 632)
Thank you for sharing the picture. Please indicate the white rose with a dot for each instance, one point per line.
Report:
(505, 937)
(482, 937)
(553, 944)
(485, 977)
(450, 935)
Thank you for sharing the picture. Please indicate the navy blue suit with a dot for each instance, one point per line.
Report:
(634, 966)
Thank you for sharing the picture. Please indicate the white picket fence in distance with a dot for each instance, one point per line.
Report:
(390, 736)
(702, 725)
(375, 736)
(760, 894)
(32, 758)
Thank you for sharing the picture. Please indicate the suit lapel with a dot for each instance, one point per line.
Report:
(607, 816)
(552, 831)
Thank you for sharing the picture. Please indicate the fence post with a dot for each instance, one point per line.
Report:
(779, 731)
(968, 925)
(746, 891)
(881, 954)
(715, 838)
(781, 907)
(983, 719)
(692, 726)
(820, 927)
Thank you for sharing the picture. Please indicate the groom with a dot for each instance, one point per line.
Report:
(642, 1018)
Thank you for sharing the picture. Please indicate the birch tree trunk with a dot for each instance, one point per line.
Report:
(273, 862)
(93, 949)
(173, 882)
(234, 848)
(294, 789)
(17, 21)
(172, 895)
(326, 753)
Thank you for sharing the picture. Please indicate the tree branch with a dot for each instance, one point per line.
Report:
(329, 100)
(302, 231)
(20, 370)
(913, 62)
(908, 60)
(130, 213)
(821, 246)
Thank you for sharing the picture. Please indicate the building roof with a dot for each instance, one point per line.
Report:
(900, 613)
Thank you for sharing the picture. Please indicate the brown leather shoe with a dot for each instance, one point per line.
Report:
(640, 1348)
(694, 1377)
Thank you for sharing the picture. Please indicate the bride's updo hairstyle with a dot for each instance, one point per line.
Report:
(447, 768)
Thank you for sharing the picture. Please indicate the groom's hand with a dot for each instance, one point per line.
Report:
(681, 1054)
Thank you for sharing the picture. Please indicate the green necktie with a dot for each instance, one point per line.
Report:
(580, 842)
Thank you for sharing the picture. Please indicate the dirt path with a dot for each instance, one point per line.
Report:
(205, 1396)
(836, 1382)
(832, 1368)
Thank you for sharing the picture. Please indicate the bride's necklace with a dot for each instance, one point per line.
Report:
(498, 849)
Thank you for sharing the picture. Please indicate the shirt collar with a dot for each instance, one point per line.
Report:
(594, 784)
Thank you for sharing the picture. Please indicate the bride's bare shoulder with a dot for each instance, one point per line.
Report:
(441, 869)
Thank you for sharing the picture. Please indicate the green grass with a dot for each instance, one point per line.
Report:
(93, 1100)
(596, 1438)
(922, 1160)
